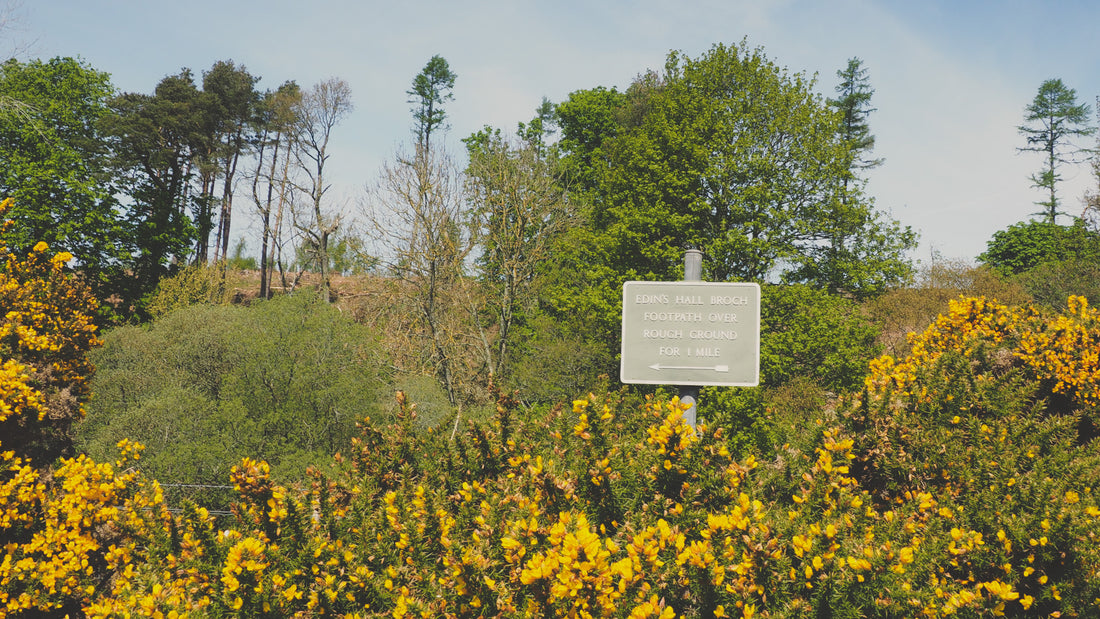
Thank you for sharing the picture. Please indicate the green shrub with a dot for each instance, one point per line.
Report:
(286, 380)
(1052, 283)
(192, 285)
(909, 310)
(811, 334)
(1026, 245)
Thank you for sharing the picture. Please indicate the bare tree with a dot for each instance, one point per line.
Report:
(418, 221)
(273, 138)
(11, 22)
(11, 18)
(318, 112)
(518, 209)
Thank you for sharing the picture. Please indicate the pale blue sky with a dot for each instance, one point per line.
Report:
(951, 77)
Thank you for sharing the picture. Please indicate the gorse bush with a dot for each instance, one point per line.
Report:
(46, 330)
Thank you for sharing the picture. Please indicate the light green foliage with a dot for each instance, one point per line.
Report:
(202, 386)
(553, 360)
(517, 213)
(728, 153)
(193, 285)
(53, 162)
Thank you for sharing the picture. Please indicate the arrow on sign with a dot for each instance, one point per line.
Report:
(715, 368)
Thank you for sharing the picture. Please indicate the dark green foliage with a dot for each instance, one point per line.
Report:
(285, 380)
(1052, 283)
(153, 139)
(854, 104)
(430, 89)
(229, 102)
(554, 362)
(810, 334)
(1026, 245)
(1053, 120)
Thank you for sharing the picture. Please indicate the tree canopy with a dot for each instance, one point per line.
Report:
(54, 164)
(728, 153)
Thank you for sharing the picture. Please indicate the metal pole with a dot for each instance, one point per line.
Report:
(693, 272)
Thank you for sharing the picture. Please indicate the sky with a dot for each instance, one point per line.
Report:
(951, 78)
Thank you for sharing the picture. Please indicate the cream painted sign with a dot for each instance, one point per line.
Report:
(691, 333)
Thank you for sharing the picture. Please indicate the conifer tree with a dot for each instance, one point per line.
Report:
(1051, 121)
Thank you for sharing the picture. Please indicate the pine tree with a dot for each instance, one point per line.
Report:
(1052, 120)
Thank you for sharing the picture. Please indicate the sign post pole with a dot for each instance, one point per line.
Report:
(689, 394)
(691, 333)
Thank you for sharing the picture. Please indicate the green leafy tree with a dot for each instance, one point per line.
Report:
(689, 168)
(1026, 245)
(518, 212)
(587, 119)
(1051, 122)
(229, 102)
(54, 164)
(733, 155)
(538, 130)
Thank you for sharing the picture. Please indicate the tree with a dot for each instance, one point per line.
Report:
(154, 140)
(1052, 120)
(229, 99)
(317, 113)
(419, 221)
(1026, 245)
(518, 210)
(854, 104)
(732, 155)
(273, 137)
(430, 89)
(540, 128)
(54, 164)
(859, 251)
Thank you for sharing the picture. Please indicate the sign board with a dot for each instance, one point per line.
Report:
(691, 333)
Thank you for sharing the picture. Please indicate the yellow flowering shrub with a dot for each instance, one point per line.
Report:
(945, 489)
(45, 330)
(993, 412)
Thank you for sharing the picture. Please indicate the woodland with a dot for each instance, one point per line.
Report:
(415, 411)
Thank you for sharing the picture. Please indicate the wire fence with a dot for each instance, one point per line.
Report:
(214, 497)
